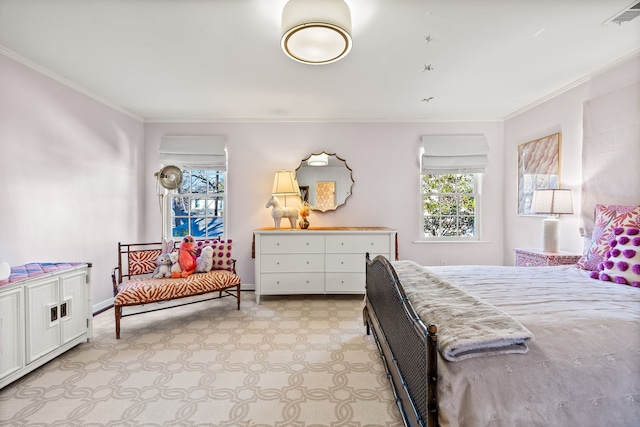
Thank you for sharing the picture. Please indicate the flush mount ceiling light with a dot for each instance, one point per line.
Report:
(316, 31)
(318, 160)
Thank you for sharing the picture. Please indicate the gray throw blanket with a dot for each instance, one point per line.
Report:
(467, 327)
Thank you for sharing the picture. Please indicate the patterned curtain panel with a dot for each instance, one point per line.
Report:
(610, 152)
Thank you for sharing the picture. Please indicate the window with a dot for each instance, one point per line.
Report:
(449, 205)
(198, 206)
(451, 170)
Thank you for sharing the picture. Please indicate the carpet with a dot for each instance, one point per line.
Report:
(290, 361)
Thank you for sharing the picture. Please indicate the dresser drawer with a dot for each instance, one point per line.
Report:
(282, 283)
(291, 263)
(353, 243)
(294, 243)
(348, 262)
(346, 283)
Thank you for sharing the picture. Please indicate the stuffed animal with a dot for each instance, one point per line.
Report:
(163, 262)
(204, 263)
(175, 265)
(186, 257)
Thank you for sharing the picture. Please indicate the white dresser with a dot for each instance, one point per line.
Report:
(45, 310)
(317, 260)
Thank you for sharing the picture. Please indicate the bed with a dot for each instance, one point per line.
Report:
(571, 356)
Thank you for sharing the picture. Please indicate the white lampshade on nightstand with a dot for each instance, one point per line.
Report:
(552, 202)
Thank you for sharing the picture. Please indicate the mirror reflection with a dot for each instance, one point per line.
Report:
(325, 181)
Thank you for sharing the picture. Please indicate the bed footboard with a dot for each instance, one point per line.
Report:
(406, 345)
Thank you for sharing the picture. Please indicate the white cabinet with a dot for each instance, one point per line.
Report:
(317, 261)
(11, 332)
(42, 317)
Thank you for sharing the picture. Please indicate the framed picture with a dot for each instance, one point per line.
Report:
(538, 168)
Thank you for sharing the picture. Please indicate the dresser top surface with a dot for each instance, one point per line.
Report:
(322, 230)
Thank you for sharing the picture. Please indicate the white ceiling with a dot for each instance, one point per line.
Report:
(221, 59)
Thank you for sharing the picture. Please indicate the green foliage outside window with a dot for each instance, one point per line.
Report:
(449, 205)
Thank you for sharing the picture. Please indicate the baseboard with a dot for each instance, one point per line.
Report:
(102, 306)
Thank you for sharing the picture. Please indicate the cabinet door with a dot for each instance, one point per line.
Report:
(43, 319)
(73, 305)
(11, 332)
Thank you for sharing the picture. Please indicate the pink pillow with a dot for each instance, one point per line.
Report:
(222, 259)
(623, 258)
(607, 218)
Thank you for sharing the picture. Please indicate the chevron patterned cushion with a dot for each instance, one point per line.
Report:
(143, 291)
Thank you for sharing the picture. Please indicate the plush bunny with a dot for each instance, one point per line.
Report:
(186, 257)
(175, 265)
(163, 262)
(204, 263)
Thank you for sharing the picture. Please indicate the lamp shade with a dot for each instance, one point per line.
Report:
(552, 202)
(285, 184)
(316, 31)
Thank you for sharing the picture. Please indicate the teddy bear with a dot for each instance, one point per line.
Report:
(163, 262)
(175, 265)
(186, 257)
(204, 263)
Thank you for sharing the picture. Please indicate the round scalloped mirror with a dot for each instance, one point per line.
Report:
(325, 181)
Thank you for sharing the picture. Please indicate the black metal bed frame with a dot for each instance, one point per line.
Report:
(406, 345)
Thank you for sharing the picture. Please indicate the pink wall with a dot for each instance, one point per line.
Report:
(70, 173)
(77, 176)
(560, 114)
(384, 160)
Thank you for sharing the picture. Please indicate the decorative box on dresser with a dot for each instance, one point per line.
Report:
(539, 258)
(45, 310)
(317, 260)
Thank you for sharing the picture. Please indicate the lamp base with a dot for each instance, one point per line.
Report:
(550, 234)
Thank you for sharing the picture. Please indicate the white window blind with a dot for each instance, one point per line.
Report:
(456, 154)
(194, 152)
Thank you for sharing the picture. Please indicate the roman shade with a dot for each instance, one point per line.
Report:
(443, 154)
(194, 152)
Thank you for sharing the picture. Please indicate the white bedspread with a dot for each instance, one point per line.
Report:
(583, 369)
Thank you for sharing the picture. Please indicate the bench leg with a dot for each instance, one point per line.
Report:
(238, 294)
(118, 311)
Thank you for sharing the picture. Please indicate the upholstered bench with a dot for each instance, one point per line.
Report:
(134, 286)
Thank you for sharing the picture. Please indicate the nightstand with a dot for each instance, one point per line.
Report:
(539, 258)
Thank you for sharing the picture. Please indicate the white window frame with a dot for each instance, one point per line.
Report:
(194, 152)
(477, 193)
(167, 222)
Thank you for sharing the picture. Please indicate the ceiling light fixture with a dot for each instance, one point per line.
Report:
(321, 159)
(316, 31)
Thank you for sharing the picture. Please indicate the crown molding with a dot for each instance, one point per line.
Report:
(52, 75)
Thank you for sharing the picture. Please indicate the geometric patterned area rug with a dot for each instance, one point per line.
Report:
(300, 360)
